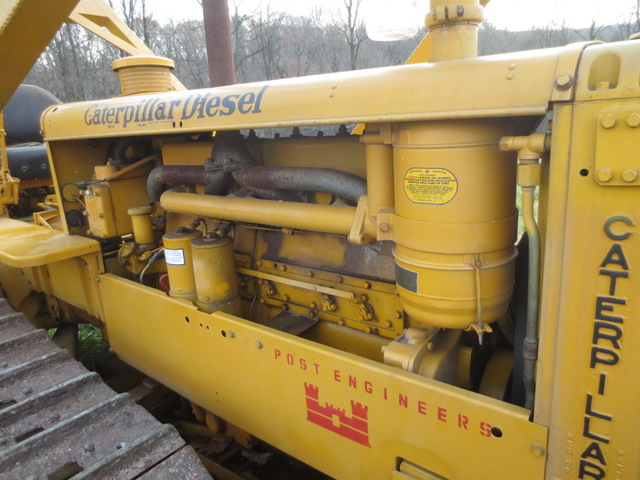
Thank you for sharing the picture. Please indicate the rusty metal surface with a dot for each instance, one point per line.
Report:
(170, 175)
(305, 179)
(291, 323)
(217, 32)
(57, 420)
(181, 464)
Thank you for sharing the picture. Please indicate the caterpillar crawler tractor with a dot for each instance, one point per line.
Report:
(362, 301)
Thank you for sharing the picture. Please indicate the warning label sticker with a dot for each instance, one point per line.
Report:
(174, 256)
(430, 186)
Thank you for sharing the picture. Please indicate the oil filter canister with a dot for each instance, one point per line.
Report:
(215, 274)
(177, 254)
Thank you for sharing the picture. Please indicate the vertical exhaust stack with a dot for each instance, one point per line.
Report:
(217, 32)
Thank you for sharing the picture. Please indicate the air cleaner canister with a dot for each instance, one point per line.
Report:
(455, 222)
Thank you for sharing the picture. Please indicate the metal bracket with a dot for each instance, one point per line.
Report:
(617, 161)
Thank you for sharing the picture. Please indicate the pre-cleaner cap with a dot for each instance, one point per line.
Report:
(144, 74)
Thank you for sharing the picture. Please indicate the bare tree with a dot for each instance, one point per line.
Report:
(240, 32)
(592, 33)
(267, 45)
(266, 38)
(631, 24)
(184, 43)
(137, 15)
(350, 24)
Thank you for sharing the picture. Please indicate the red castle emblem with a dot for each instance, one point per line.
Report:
(354, 427)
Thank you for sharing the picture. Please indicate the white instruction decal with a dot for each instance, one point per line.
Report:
(174, 256)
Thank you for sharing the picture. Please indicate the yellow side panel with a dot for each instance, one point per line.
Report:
(347, 416)
(590, 350)
(481, 87)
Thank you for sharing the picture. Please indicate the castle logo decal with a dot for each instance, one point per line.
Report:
(354, 426)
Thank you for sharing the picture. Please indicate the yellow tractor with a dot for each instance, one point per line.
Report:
(363, 301)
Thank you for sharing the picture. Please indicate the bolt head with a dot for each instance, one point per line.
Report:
(604, 175)
(384, 227)
(633, 120)
(564, 81)
(608, 121)
(537, 450)
(259, 344)
(630, 175)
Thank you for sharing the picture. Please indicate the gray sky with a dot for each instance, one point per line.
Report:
(512, 14)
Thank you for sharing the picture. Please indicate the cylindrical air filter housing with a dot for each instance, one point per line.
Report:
(215, 274)
(456, 222)
(144, 74)
(142, 227)
(177, 254)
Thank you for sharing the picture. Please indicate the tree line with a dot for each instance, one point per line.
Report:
(270, 44)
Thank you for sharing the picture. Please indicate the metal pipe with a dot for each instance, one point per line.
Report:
(530, 351)
(380, 190)
(229, 151)
(120, 149)
(453, 29)
(217, 32)
(276, 195)
(171, 175)
(272, 183)
(302, 216)
(131, 167)
(530, 149)
(303, 179)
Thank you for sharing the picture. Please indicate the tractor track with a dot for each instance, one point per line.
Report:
(60, 421)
